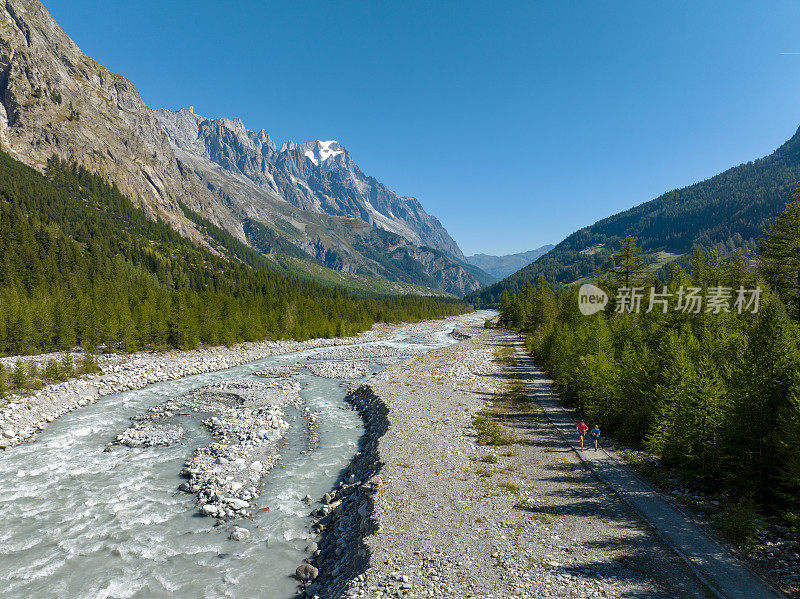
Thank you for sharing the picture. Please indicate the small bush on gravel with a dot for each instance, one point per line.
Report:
(740, 522)
(66, 368)
(51, 371)
(484, 472)
(33, 370)
(489, 458)
(487, 324)
(88, 364)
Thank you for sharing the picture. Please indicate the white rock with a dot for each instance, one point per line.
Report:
(238, 504)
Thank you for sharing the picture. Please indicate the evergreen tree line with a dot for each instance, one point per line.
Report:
(716, 395)
(80, 265)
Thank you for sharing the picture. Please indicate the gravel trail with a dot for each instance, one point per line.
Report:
(433, 514)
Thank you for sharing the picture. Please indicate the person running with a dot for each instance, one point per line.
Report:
(582, 428)
(595, 432)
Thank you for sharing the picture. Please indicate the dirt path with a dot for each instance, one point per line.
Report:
(722, 572)
(526, 519)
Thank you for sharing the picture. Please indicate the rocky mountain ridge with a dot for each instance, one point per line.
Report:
(318, 176)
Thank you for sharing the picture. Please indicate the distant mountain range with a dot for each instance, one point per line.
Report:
(729, 211)
(502, 266)
(307, 206)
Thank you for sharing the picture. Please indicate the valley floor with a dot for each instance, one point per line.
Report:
(529, 519)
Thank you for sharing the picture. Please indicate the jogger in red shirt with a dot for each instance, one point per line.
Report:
(582, 428)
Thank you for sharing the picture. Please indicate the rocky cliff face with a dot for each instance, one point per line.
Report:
(318, 176)
(54, 100)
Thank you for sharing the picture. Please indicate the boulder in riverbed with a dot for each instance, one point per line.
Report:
(306, 573)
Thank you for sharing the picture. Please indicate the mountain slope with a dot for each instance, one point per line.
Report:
(83, 265)
(54, 100)
(731, 209)
(502, 266)
(310, 202)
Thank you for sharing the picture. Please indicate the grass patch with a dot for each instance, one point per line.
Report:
(489, 430)
(515, 398)
(506, 356)
(484, 472)
(623, 557)
(489, 422)
(509, 487)
(489, 458)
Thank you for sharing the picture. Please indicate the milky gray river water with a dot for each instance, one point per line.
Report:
(76, 521)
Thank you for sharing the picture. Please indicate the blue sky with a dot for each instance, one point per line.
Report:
(515, 123)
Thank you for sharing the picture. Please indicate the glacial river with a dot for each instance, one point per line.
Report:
(76, 521)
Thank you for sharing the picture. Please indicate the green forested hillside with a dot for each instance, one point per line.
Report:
(81, 265)
(713, 392)
(731, 209)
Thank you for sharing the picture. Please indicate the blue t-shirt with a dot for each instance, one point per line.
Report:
(595, 432)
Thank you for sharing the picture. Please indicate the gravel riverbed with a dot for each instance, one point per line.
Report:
(424, 511)
(22, 416)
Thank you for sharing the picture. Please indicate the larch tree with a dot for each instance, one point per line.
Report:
(779, 254)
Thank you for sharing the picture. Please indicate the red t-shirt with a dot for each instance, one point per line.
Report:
(582, 428)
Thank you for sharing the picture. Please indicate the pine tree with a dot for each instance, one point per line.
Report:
(505, 318)
(629, 269)
(779, 254)
(789, 442)
(740, 274)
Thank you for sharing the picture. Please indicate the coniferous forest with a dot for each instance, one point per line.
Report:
(80, 265)
(713, 391)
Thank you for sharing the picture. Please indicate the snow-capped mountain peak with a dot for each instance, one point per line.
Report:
(323, 150)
